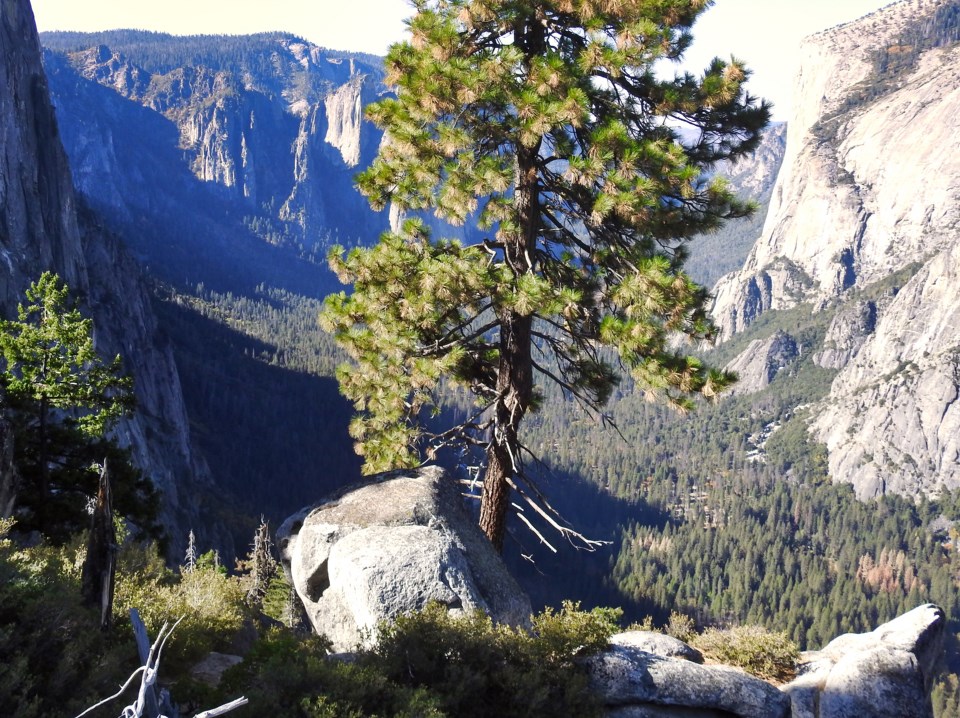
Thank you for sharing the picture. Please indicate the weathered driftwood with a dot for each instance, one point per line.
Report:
(225, 708)
(144, 651)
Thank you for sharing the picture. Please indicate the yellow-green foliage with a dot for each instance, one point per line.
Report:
(766, 654)
(681, 627)
(54, 659)
(209, 602)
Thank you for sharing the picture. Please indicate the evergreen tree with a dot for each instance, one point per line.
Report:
(544, 122)
(61, 398)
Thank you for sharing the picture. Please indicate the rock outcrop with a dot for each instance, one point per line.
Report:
(761, 362)
(388, 546)
(846, 210)
(887, 673)
(637, 683)
(892, 421)
(847, 333)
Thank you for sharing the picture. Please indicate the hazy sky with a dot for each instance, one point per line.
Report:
(764, 33)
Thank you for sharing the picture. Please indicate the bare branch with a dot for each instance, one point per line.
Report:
(225, 708)
(533, 529)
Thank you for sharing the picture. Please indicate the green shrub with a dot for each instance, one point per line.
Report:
(765, 654)
(287, 675)
(209, 602)
(475, 668)
(431, 665)
(54, 660)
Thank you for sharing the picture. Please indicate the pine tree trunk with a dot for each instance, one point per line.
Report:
(9, 476)
(515, 386)
(496, 495)
(515, 371)
(42, 451)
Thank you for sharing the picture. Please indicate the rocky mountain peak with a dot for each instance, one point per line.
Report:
(101, 64)
(272, 121)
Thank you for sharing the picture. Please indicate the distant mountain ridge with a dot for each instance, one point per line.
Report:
(269, 127)
(44, 226)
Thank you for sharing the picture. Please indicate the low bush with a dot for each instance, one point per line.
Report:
(54, 660)
(766, 654)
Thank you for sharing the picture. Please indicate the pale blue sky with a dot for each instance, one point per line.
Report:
(764, 33)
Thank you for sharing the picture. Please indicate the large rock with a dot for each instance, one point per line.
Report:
(635, 683)
(659, 644)
(886, 673)
(391, 545)
(761, 362)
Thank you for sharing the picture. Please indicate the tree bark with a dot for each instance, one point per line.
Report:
(9, 476)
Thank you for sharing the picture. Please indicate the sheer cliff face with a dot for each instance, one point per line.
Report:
(867, 185)
(870, 186)
(38, 223)
(40, 230)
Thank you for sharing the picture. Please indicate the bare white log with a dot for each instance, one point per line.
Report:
(225, 708)
(115, 695)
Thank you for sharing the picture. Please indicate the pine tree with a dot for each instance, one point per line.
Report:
(544, 123)
(61, 399)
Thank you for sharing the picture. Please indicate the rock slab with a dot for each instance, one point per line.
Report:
(391, 545)
(886, 673)
(635, 683)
